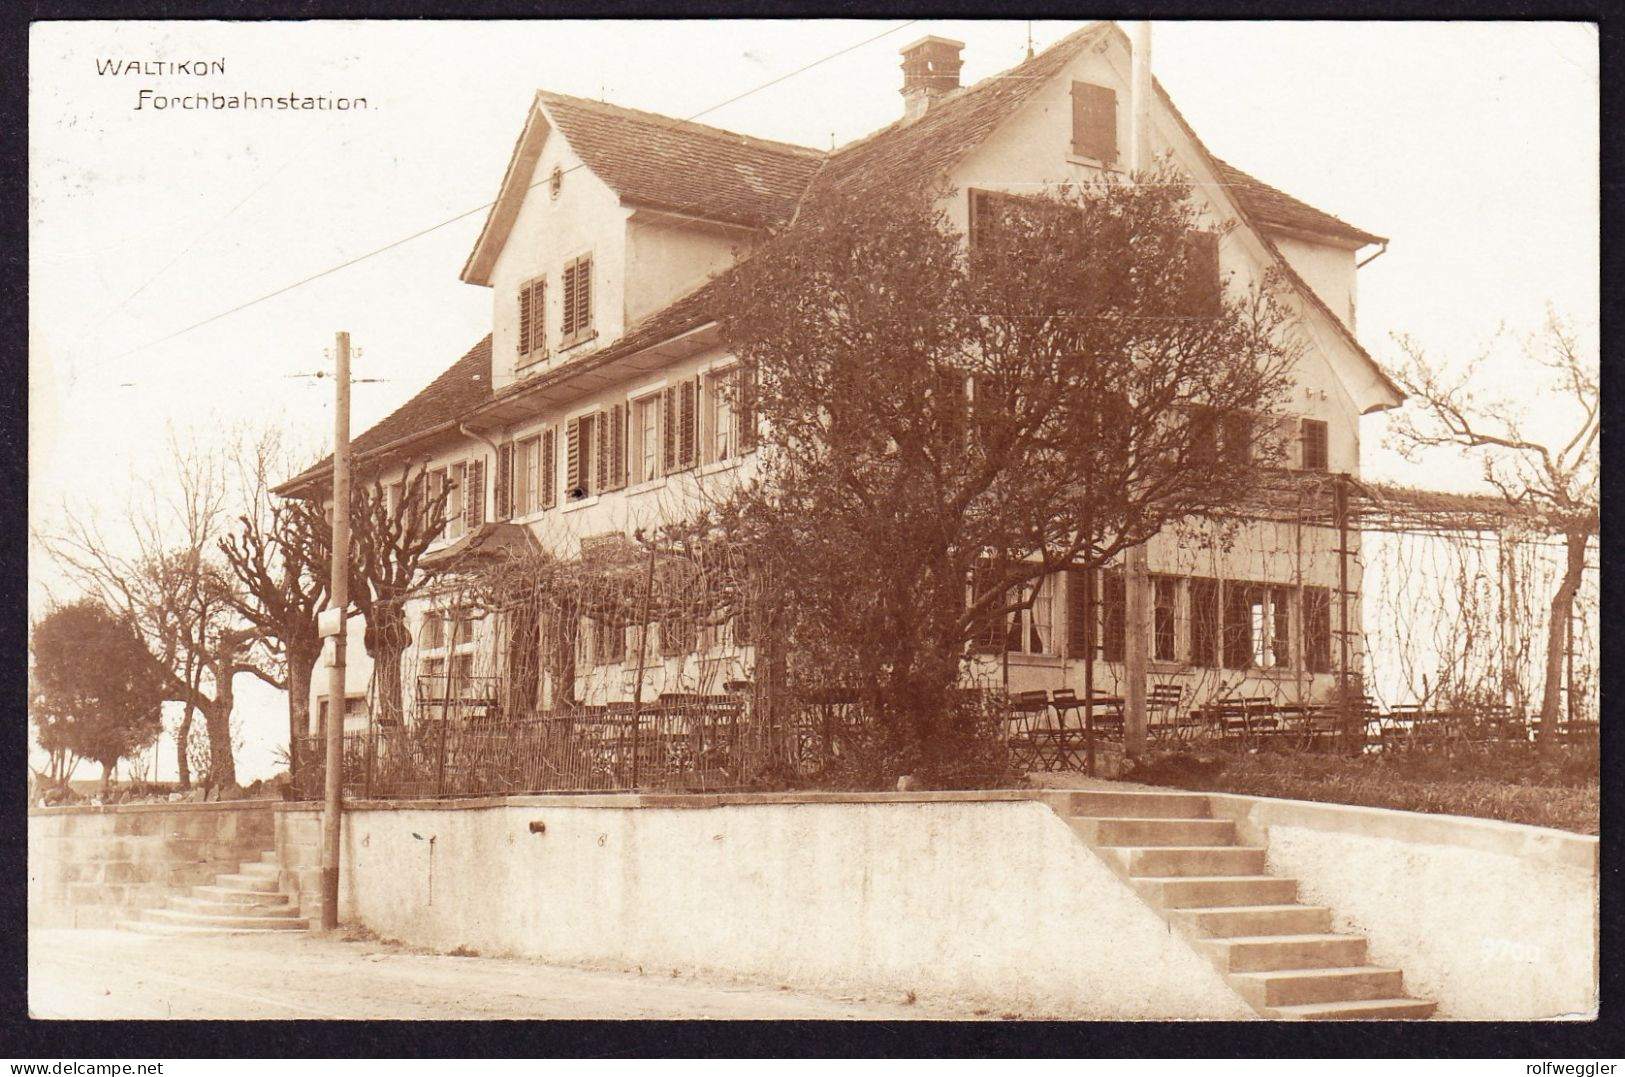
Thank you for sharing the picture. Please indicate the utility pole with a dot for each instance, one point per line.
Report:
(1136, 581)
(340, 590)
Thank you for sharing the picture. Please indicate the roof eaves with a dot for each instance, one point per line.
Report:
(470, 274)
(1292, 275)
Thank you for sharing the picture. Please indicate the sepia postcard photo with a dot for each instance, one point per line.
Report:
(868, 520)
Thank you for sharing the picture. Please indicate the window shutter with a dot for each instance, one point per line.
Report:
(583, 304)
(688, 417)
(538, 317)
(474, 495)
(572, 457)
(567, 315)
(548, 466)
(668, 428)
(1114, 607)
(1094, 121)
(524, 318)
(987, 635)
(978, 218)
(1079, 611)
(615, 458)
(1203, 298)
(951, 405)
(600, 426)
(745, 407)
(502, 487)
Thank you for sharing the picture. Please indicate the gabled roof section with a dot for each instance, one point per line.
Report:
(1302, 287)
(464, 386)
(683, 166)
(655, 161)
(1274, 208)
(916, 154)
(692, 311)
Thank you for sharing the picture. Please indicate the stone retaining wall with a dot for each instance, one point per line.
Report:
(88, 866)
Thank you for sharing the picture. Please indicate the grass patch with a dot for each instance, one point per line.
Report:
(1515, 786)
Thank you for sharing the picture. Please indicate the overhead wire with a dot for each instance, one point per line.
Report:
(347, 263)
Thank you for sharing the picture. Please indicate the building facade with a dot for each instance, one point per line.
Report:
(598, 405)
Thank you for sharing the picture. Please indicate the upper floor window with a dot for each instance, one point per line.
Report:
(730, 422)
(679, 423)
(575, 317)
(449, 481)
(580, 452)
(525, 482)
(1316, 456)
(1203, 292)
(1094, 122)
(533, 319)
(646, 437)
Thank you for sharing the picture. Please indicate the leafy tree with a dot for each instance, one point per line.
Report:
(945, 423)
(95, 693)
(1555, 484)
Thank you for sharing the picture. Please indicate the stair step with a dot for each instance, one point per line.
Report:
(1254, 920)
(263, 883)
(279, 907)
(1175, 892)
(1392, 1009)
(1297, 987)
(192, 919)
(1154, 831)
(270, 857)
(151, 927)
(1192, 860)
(258, 869)
(238, 895)
(1269, 953)
(1111, 804)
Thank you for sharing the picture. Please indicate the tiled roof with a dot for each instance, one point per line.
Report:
(1270, 206)
(705, 171)
(690, 312)
(464, 386)
(683, 166)
(917, 153)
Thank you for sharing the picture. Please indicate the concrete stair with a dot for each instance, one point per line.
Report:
(1277, 954)
(247, 901)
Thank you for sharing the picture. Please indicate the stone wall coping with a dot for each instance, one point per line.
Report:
(1538, 843)
(1487, 835)
(165, 806)
(695, 800)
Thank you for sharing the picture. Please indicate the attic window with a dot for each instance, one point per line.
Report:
(555, 181)
(1094, 122)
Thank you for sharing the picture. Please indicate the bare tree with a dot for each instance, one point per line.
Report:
(280, 553)
(391, 528)
(943, 429)
(1556, 484)
(162, 576)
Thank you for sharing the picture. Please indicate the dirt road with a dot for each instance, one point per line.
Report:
(116, 974)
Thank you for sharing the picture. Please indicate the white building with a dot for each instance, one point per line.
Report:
(591, 408)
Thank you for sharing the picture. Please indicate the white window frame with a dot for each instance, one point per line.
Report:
(648, 439)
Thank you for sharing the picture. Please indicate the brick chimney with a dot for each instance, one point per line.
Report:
(930, 69)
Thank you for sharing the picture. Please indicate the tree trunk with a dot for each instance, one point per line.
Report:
(1574, 545)
(302, 658)
(183, 767)
(386, 641)
(217, 720)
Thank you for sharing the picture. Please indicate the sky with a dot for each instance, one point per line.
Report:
(1473, 146)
